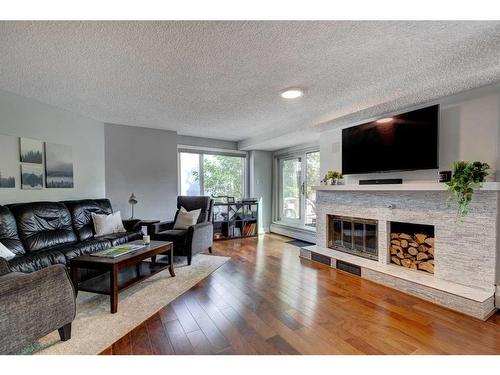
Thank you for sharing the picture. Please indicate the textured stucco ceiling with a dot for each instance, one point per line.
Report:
(223, 79)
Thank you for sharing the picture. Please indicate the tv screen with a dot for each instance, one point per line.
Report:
(408, 141)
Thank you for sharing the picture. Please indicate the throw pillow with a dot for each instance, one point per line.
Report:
(107, 224)
(186, 218)
(6, 253)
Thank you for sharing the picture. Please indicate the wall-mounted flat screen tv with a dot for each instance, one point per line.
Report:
(408, 141)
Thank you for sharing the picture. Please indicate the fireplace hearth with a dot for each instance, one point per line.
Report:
(355, 236)
(464, 275)
(412, 246)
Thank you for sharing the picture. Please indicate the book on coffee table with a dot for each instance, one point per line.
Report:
(117, 251)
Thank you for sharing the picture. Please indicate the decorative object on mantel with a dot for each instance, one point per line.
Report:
(58, 166)
(30, 151)
(132, 200)
(333, 177)
(466, 176)
(444, 176)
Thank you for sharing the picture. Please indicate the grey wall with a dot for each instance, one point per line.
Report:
(142, 161)
(206, 142)
(29, 118)
(468, 130)
(261, 177)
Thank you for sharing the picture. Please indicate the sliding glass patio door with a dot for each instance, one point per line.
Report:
(297, 199)
(291, 190)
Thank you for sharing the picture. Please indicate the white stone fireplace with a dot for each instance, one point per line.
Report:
(456, 265)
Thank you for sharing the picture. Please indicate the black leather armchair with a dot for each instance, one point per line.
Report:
(198, 237)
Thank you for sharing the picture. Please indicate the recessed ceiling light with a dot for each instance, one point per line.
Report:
(384, 120)
(292, 93)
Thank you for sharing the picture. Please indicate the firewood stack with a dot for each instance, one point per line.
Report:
(413, 251)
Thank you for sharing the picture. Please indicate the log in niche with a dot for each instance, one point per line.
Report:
(414, 251)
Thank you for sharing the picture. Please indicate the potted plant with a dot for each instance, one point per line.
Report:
(333, 177)
(466, 176)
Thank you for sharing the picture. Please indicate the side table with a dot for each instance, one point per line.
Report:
(149, 225)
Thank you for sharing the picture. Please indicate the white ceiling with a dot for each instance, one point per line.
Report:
(223, 79)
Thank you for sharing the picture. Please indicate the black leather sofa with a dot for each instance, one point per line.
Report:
(42, 234)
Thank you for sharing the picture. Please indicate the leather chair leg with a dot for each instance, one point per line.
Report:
(210, 249)
(189, 259)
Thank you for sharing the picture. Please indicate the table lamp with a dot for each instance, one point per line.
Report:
(132, 200)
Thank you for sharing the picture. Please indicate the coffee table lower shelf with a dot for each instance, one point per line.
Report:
(127, 277)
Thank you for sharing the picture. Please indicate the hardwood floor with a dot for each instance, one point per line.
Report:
(266, 300)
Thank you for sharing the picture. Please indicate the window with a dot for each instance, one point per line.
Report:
(298, 173)
(211, 174)
(190, 174)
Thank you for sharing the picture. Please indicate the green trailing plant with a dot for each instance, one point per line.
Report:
(333, 175)
(466, 176)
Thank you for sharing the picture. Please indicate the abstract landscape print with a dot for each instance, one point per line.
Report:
(31, 151)
(31, 177)
(8, 161)
(58, 166)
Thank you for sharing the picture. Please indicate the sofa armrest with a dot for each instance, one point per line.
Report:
(4, 267)
(200, 236)
(132, 225)
(33, 305)
(160, 227)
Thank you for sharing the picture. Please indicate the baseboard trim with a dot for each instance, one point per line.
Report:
(297, 233)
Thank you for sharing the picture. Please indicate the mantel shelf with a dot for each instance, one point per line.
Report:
(422, 186)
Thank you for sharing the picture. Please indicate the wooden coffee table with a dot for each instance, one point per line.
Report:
(123, 271)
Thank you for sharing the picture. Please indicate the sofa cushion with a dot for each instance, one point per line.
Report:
(5, 253)
(90, 246)
(36, 261)
(81, 215)
(107, 224)
(185, 218)
(8, 232)
(134, 236)
(191, 203)
(43, 224)
(121, 238)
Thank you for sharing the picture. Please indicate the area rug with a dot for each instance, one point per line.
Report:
(95, 328)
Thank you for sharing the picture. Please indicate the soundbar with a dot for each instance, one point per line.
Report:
(381, 181)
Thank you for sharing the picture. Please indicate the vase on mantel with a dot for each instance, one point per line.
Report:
(335, 181)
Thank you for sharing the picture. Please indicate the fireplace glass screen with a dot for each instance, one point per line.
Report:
(353, 235)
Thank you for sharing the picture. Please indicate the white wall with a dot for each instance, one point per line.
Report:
(25, 117)
(142, 161)
(468, 130)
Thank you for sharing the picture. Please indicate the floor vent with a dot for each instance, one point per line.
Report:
(321, 259)
(348, 267)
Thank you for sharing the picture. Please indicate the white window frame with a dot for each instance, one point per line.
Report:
(277, 207)
(201, 151)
